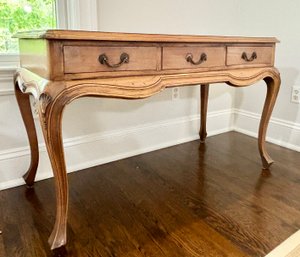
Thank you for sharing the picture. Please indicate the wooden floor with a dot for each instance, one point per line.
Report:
(188, 200)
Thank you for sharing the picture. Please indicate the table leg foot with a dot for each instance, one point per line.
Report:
(267, 163)
(25, 109)
(204, 101)
(202, 137)
(58, 237)
(273, 85)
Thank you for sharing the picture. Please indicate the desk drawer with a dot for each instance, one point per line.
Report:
(250, 56)
(80, 59)
(193, 57)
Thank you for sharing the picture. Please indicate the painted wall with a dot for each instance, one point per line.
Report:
(174, 17)
(280, 19)
(283, 21)
(248, 18)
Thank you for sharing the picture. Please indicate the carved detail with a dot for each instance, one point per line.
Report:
(146, 86)
(44, 100)
(23, 87)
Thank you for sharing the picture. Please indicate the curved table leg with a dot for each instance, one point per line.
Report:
(25, 109)
(273, 85)
(51, 120)
(204, 101)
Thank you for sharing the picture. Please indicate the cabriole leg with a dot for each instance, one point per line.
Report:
(25, 109)
(273, 85)
(51, 119)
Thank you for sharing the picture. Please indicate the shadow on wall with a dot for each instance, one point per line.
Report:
(94, 115)
(218, 90)
(99, 117)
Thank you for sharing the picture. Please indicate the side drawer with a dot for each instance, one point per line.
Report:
(81, 59)
(260, 56)
(193, 57)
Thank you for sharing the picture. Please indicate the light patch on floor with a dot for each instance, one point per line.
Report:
(289, 248)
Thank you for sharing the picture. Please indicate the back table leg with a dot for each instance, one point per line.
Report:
(25, 109)
(204, 100)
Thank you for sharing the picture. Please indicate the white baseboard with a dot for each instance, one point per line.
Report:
(280, 132)
(95, 149)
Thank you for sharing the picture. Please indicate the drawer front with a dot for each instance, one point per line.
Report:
(261, 56)
(193, 57)
(80, 59)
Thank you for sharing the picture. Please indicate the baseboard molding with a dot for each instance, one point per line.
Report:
(280, 132)
(4, 92)
(95, 149)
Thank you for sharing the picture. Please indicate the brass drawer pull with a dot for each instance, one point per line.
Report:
(251, 59)
(189, 58)
(103, 59)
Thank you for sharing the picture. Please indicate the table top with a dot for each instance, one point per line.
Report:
(134, 37)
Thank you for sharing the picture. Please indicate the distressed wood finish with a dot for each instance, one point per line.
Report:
(78, 59)
(134, 37)
(54, 86)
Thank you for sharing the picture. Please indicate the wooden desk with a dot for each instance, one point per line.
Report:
(60, 66)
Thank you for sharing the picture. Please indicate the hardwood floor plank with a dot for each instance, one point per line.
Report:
(203, 210)
(117, 214)
(179, 207)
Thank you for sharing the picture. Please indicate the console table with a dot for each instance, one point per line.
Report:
(60, 66)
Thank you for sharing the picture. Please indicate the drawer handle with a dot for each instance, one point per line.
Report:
(189, 58)
(251, 59)
(103, 59)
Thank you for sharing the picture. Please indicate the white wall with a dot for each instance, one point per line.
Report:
(248, 18)
(173, 17)
(102, 130)
(280, 19)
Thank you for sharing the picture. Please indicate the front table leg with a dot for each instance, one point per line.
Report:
(51, 120)
(204, 101)
(273, 85)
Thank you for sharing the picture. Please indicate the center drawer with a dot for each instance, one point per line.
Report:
(193, 57)
(80, 59)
